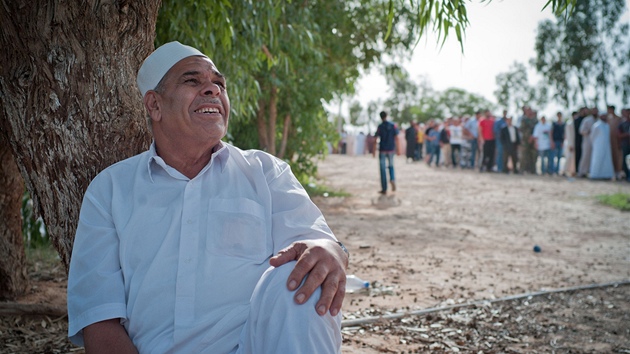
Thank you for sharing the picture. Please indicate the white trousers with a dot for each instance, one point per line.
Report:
(276, 324)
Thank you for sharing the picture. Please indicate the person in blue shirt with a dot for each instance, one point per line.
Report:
(557, 135)
(498, 125)
(388, 145)
(471, 132)
(433, 144)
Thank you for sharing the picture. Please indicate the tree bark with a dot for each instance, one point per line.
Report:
(70, 106)
(285, 136)
(261, 122)
(13, 273)
(273, 116)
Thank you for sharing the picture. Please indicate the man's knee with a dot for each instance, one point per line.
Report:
(277, 324)
(273, 285)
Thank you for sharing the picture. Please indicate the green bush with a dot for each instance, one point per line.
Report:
(619, 201)
(33, 229)
(314, 189)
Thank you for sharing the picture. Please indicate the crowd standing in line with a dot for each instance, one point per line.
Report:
(586, 145)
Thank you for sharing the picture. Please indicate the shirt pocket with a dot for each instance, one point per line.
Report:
(237, 228)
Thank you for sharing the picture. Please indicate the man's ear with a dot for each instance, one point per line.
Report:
(153, 105)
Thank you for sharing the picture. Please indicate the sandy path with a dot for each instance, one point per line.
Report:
(452, 236)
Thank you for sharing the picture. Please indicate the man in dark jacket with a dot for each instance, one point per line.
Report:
(411, 137)
(388, 145)
(510, 141)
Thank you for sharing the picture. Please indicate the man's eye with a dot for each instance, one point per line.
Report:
(192, 81)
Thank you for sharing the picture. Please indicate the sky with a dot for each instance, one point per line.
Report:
(500, 33)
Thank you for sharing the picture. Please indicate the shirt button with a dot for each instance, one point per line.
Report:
(190, 221)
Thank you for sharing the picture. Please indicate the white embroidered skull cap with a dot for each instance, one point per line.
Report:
(158, 63)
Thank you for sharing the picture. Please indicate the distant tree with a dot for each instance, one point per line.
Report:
(459, 102)
(581, 56)
(514, 89)
(373, 120)
(428, 105)
(403, 94)
(355, 112)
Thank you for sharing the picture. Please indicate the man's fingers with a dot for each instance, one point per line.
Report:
(291, 253)
(316, 276)
(335, 307)
(319, 264)
(332, 290)
(337, 290)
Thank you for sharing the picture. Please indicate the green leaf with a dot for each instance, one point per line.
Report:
(390, 20)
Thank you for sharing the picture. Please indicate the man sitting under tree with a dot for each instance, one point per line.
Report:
(173, 246)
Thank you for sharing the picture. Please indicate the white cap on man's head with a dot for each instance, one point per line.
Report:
(157, 64)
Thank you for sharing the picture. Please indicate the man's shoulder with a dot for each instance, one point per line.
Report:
(125, 165)
(121, 173)
(255, 157)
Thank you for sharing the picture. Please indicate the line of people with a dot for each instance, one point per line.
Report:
(593, 145)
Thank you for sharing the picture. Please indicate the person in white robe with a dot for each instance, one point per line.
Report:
(569, 143)
(601, 155)
(360, 144)
(350, 144)
(585, 131)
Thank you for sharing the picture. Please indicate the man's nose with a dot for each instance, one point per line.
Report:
(212, 89)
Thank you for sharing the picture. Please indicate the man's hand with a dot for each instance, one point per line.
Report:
(325, 263)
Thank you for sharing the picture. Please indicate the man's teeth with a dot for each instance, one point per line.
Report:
(208, 110)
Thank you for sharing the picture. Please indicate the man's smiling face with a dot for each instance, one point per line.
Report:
(194, 104)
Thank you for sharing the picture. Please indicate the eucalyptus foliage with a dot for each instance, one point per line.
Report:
(459, 102)
(285, 59)
(586, 56)
(423, 103)
(403, 94)
(514, 89)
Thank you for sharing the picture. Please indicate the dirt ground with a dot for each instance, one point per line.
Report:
(449, 238)
(455, 236)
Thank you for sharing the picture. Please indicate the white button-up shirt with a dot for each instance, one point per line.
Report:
(542, 133)
(512, 132)
(176, 258)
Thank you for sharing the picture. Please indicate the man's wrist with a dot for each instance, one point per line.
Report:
(345, 250)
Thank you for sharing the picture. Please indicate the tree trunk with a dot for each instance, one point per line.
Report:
(13, 276)
(261, 122)
(285, 136)
(70, 106)
(273, 116)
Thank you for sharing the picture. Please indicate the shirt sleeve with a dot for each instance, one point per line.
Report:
(96, 289)
(294, 216)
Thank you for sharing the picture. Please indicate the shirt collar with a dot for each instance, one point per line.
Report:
(220, 155)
